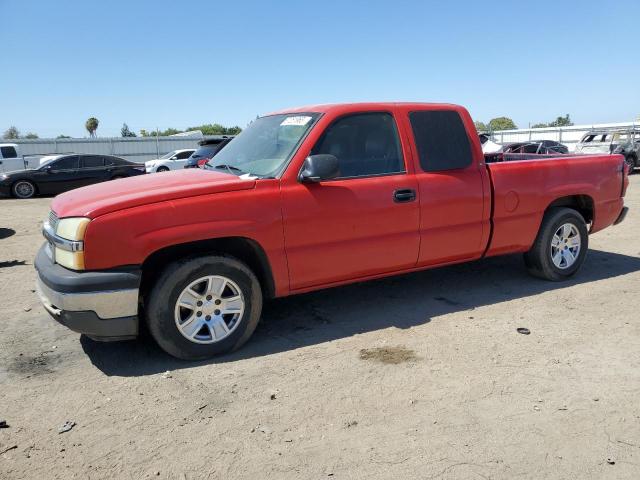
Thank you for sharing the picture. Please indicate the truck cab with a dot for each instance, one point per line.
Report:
(10, 158)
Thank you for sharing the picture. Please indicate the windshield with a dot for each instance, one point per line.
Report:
(264, 147)
(44, 161)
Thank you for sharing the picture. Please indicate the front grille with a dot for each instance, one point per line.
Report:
(53, 220)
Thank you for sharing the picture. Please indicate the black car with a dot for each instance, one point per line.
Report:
(206, 151)
(66, 172)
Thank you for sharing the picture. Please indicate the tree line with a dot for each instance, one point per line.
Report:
(92, 124)
(505, 123)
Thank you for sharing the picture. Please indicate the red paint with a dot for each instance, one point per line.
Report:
(336, 232)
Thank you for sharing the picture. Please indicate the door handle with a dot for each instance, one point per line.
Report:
(404, 195)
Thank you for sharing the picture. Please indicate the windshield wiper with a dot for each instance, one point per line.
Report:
(229, 168)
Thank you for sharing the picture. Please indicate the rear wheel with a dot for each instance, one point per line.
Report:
(23, 189)
(202, 307)
(560, 247)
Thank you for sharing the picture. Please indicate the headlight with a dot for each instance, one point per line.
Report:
(69, 251)
(72, 228)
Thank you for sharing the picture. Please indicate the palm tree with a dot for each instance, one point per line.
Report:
(92, 125)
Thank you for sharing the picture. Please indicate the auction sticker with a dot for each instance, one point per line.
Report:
(297, 120)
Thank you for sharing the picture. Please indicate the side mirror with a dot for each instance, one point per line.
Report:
(47, 169)
(317, 168)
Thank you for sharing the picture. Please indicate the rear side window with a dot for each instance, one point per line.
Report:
(441, 140)
(8, 152)
(66, 163)
(92, 161)
(206, 151)
(365, 144)
(115, 161)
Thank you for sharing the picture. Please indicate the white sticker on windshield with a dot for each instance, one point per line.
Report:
(298, 120)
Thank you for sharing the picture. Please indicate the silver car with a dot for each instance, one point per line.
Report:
(624, 141)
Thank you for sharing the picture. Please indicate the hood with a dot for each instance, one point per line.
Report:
(106, 197)
(13, 174)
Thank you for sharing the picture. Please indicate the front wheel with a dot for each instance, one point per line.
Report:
(162, 169)
(631, 161)
(560, 247)
(24, 189)
(202, 307)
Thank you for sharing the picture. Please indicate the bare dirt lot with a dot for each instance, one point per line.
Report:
(420, 376)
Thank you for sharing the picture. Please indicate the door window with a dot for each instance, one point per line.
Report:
(441, 140)
(365, 144)
(183, 155)
(66, 163)
(8, 152)
(92, 161)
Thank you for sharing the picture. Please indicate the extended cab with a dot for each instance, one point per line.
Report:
(306, 199)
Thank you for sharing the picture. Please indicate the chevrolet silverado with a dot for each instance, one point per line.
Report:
(305, 199)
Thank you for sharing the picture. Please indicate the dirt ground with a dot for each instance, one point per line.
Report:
(419, 376)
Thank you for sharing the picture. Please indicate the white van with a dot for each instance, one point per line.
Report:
(11, 159)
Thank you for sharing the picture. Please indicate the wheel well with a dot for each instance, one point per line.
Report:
(581, 203)
(244, 249)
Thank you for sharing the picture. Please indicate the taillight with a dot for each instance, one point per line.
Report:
(625, 177)
(202, 162)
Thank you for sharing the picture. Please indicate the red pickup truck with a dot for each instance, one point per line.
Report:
(306, 199)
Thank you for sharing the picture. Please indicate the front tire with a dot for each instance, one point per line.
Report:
(560, 247)
(162, 169)
(203, 307)
(632, 161)
(23, 189)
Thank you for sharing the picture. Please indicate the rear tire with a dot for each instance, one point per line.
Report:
(560, 247)
(194, 282)
(23, 189)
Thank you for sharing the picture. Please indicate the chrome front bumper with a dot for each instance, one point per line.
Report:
(101, 304)
(106, 304)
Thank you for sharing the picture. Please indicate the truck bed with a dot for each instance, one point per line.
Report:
(524, 188)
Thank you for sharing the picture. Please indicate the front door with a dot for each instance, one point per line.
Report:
(60, 176)
(363, 223)
(453, 186)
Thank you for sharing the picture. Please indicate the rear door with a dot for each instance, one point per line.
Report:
(92, 170)
(363, 223)
(453, 186)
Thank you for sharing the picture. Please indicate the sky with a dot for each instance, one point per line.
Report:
(157, 64)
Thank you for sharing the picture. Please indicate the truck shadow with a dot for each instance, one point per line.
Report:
(402, 302)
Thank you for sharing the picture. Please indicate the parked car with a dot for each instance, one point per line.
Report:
(11, 159)
(171, 161)
(59, 173)
(488, 145)
(622, 141)
(306, 199)
(207, 150)
(526, 150)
